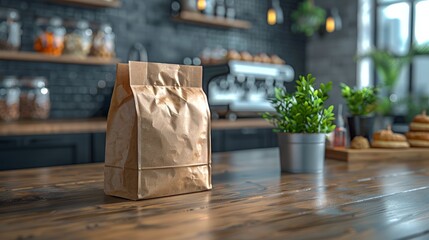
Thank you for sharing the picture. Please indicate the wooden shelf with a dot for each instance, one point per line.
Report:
(91, 3)
(201, 19)
(31, 127)
(39, 57)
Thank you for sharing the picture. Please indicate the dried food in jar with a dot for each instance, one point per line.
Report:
(34, 99)
(8, 112)
(51, 39)
(10, 30)
(32, 108)
(103, 44)
(73, 45)
(78, 42)
(9, 99)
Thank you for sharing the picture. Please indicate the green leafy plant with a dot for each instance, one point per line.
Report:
(388, 67)
(360, 102)
(308, 18)
(415, 105)
(419, 50)
(303, 111)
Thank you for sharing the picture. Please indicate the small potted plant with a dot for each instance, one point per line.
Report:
(302, 121)
(362, 104)
(389, 66)
(308, 18)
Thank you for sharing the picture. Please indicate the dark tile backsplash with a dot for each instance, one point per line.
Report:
(80, 91)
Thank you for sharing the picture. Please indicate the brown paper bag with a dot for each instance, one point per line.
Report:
(158, 132)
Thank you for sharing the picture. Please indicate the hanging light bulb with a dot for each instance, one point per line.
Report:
(275, 13)
(330, 24)
(333, 21)
(271, 16)
(201, 5)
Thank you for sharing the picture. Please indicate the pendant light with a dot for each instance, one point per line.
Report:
(333, 21)
(275, 13)
(201, 5)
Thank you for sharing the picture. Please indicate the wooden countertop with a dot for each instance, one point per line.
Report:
(250, 200)
(99, 125)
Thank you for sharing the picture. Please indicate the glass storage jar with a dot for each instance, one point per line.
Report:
(34, 98)
(10, 29)
(50, 38)
(78, 42)
(103, 44)
(9, 98)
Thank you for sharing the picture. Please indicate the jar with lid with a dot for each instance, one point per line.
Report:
(9, 98)
(78, 42)
(50, 37)
(34, 98)
(10, 29)
(103, 44)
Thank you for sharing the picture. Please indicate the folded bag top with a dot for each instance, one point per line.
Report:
(157, 74)
(158, 132)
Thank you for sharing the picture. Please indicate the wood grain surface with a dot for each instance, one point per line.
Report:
(250, 200)
(377, 154)
(99, 125)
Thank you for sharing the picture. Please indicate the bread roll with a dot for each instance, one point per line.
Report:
(233, 55)
(246, 56)
(420, 122)
(265, 58)
(418, 139)
(257, 58)
(359, 142)
(277, 60)
(388, 139)
(390, 144)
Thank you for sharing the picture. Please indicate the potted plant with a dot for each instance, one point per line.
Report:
(361, 103)
(301, 121)
(388, 67)
(308, 18)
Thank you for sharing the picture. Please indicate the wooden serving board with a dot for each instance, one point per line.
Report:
(374, 154)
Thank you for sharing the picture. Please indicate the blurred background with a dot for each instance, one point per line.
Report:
(57, 63)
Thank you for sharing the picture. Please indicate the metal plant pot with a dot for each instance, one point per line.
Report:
(302, 152)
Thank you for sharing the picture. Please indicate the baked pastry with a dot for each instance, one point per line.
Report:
(233, 55)
(257, 58)
(277, 60)
(388, 139)
(359, 142)
(418, 139)
(246, 56)
(420, 123)
(265, 58)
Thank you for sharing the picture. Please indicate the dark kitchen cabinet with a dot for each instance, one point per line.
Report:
(241, 139)
(98, 147)
(247, 138)
(63, 149)
(44, 150)
(218, 144)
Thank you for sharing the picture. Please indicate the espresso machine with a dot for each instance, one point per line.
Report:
(240, 89)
